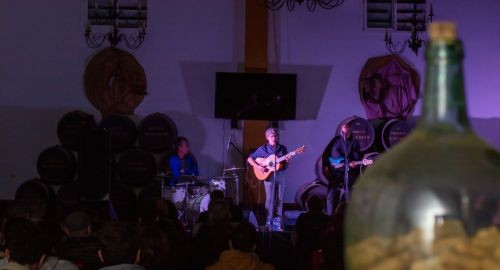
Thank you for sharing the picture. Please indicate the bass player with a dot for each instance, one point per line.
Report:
(345, 148)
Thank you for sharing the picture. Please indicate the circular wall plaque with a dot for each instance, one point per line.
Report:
(115, 83)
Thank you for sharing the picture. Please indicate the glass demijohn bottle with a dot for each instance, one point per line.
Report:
(433, 201)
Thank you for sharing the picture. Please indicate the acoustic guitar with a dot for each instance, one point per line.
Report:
(270, 162)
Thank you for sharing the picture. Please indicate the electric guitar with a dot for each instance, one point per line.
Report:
(338, 163)
(269, 163)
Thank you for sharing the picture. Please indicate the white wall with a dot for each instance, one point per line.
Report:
(44, 57)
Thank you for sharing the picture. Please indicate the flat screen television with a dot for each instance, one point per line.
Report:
(255, 96)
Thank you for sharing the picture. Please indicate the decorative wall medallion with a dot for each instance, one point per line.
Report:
(388, 87)
(115, 83)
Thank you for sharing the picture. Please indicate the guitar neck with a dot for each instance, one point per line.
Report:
(280, 159)
(342, 164)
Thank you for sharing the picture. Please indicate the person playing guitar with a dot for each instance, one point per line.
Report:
(345, 148)
(274, 184)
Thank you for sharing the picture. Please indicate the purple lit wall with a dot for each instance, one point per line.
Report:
(44, 57)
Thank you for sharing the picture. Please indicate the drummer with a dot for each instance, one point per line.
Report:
(182, 163)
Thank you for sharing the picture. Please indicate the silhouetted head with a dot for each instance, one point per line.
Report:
(315, 204)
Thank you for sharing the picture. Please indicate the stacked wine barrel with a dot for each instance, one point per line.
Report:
(375, 137)
(137, 153)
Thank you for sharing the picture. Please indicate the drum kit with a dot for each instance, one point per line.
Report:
(191, 194)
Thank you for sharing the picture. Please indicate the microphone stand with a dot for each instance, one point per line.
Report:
(274, 187)
(236, 147)
(235, 175)
(345, 190)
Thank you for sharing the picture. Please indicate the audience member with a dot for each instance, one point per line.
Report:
(80, 246)
(212, 237)
(309, 231)
(177, 236)
(25, 246)
(148, 212)
(214, 195)
(155, 249)
(119, 247)
(236, 212)
(241, 255)
(333, 247)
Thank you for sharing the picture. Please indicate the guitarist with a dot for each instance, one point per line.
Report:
(274, 189)
(345, 147)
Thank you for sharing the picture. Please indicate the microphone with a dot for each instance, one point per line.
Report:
(342, 134)
(228, 142)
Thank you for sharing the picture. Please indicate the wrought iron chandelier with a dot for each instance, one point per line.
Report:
(418, 24)
(290, 4)
(103, 13)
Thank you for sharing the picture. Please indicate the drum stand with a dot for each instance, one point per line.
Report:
(162, 185)
(182, 214)
(236, 182)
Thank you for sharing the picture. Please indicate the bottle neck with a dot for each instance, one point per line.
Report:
(444, 98)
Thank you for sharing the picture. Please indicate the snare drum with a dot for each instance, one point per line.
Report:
(196, 205)
(218, 184)
(175, 195)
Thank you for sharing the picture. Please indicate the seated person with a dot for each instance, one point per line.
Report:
(212, 237)
(24, 238)
(26, 246)
(236, 211)
(155, 248)
(81, 246)
(182, 162)
(119, 247)
(214, 195)
(309, 231)
(241, 254)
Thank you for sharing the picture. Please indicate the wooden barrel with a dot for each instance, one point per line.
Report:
(393, 131)
(319, 170)
(157, 133)
(70, 127)
(122, 131)
(362, 130)
(93, 190)
(56, 165)
(137, 167)
(35, 191)
(306, 191)
(68, 196)
(38, 198)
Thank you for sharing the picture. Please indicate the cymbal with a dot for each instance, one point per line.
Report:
(234, 169)
(185, 183)
(187, 176)
(184, 179)
(192, 178)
